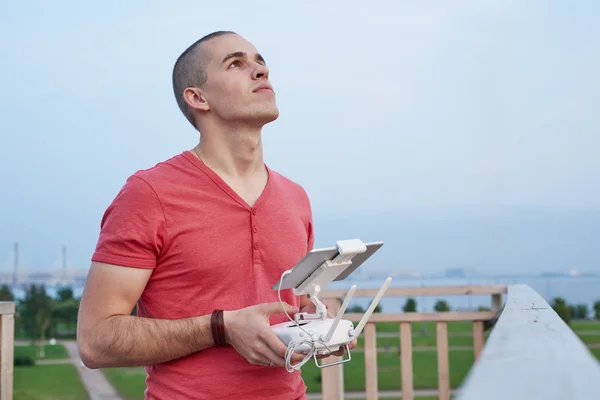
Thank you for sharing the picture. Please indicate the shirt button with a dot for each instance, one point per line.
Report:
(254, 230)
(253, 212)
(255, 246)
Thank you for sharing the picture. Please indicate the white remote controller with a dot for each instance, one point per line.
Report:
(307, 332)
(317, 334)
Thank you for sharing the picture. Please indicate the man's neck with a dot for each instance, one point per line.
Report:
(234, 152)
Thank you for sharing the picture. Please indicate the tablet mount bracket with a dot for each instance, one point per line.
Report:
(326, 273)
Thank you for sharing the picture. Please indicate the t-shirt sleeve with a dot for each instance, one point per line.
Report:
(310, 229)
(311, 237)
(132, 231)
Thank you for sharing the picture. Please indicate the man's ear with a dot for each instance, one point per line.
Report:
(195, 99)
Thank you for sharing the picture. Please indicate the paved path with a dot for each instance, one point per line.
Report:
(93, 379)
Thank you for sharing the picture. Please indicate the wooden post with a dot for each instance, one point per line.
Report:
(478, 338)
(332, 378)
(371, 361)
(406, 360)
(7, 337)
(496, 302)
(443, 365)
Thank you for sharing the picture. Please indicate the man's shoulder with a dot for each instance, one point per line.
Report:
(148, 183)
(161, 172)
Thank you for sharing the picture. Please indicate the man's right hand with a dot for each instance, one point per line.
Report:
(248, 331)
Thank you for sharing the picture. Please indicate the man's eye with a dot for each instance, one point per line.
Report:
(236, 63)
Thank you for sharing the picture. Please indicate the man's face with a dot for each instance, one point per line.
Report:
(237, 87)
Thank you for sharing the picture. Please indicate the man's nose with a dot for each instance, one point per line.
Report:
(261, 71)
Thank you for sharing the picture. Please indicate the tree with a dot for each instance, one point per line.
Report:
(563, 310)
(6, 294)
(377, 308)
(441, 306)
(356, 309)
(65, 310)
(580, 311)
(64, 294)
(410, 305)
(36, 313)
(360, 309)
(597, 309)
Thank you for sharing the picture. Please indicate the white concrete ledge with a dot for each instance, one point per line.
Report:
(531, 353)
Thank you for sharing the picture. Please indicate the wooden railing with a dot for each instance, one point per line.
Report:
(532, 354)
(7, 343)
(333, 377)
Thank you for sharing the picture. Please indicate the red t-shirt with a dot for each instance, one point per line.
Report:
(208, 249)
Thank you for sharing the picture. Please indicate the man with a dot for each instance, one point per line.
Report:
(210, 229)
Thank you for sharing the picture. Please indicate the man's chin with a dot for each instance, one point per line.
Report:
(273, 116)
(267, 116)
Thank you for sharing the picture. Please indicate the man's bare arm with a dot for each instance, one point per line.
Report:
(109, 336)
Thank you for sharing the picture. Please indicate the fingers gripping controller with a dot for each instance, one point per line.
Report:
(316, 334)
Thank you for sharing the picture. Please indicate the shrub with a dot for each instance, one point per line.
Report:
(21, 361)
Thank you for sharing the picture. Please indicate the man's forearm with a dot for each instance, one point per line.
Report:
(126, 340)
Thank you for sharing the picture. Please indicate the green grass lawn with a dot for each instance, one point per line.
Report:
(430, 339)
(457, 326)
(389, 371)
(585, 325)
(417, 341)
(130, 382)
(48, 382)
(467, 326)
(51, 352)
(588, 339)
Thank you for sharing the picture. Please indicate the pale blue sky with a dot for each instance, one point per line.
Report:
(463, 117)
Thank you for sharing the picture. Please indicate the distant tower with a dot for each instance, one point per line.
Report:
(64, 264)
(16, 264)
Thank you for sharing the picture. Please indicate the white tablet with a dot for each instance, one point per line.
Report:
(314, 259)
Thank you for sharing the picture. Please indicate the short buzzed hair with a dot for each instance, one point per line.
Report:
(189, 71)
